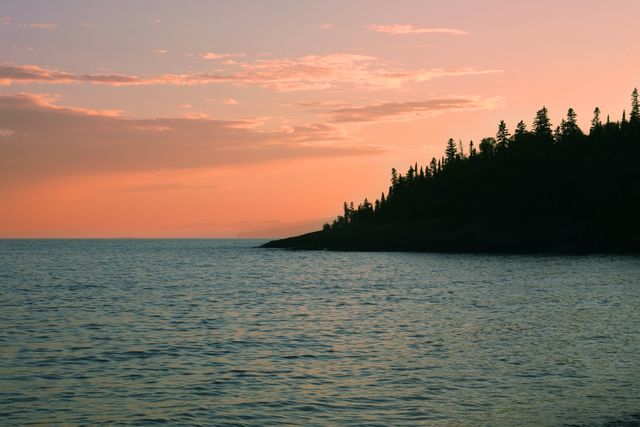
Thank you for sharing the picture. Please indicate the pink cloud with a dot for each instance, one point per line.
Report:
(317, 72)
(311, 72)
(12, 74)
(212, 55)
(5, 20)
(160, 51)
(230, 101)
(41, 26)
(43, 139)
(322, 104)
(423, 75)
(398, 29)
(46, 101)
(324, 26)
(393, 111)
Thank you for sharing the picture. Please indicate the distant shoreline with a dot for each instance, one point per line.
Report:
(420, 236)
(543, 190)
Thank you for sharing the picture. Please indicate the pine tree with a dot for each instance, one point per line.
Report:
(521, 131)
(347, 212)
(634, 118)
(487, 147)
(451, 151)
(503, 137)
(542, 124)
(557, 132)
(366, 207)
(595, 122)
(569, 127)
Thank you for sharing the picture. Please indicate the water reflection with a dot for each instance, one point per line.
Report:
(216, 332)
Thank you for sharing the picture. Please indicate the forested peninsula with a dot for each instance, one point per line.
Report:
(544, 190)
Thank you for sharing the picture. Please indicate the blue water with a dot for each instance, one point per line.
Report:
(219, 332)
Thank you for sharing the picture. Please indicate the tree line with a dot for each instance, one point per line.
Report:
(526, 177)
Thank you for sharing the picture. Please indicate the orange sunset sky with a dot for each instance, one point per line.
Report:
(259, 118)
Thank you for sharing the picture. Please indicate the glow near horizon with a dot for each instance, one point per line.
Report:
(217, 118)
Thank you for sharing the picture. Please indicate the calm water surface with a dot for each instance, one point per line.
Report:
(218, 332)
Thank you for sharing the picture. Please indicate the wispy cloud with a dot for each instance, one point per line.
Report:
(427, 74)
(394, 111)
(334, 103)
(398, 29)
(12, 74)
(225, 101)
(43, 139)
(5, 20)
(323, 26)
(312, 72)
(40, 26)
(160, 51)
(213, 55)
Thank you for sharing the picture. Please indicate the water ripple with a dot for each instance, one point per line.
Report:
(218, 332)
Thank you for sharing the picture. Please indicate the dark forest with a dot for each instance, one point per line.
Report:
(555, 189)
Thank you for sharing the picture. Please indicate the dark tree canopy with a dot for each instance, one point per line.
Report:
(503, 137)
(542, 124)
(451, 151)
(596, 123)
(635, 107)
(487, 147)
(531, 191)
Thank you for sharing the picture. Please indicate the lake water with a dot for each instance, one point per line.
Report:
(219, 332)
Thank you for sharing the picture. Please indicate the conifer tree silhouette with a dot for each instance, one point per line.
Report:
(529, 188)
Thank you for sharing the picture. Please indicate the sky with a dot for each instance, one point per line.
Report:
(259, 118)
